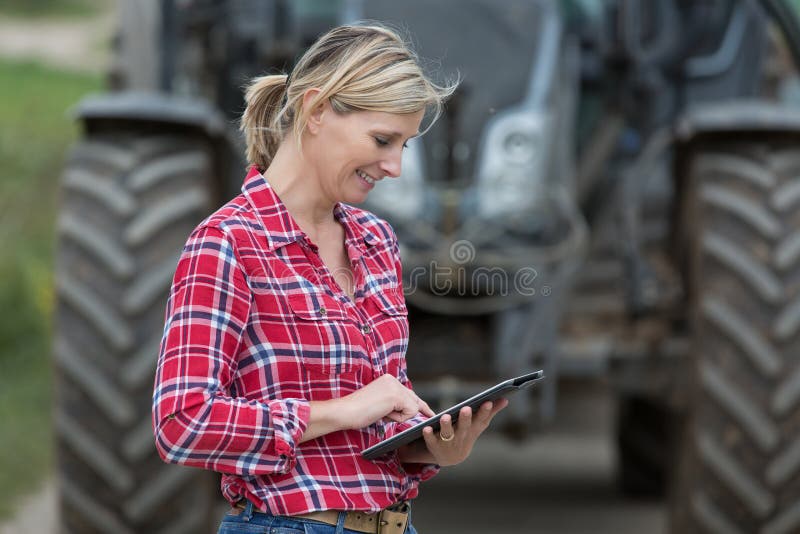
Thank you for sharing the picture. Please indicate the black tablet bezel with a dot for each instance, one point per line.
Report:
(474, 402)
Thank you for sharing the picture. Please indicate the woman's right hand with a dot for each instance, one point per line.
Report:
(383, 398)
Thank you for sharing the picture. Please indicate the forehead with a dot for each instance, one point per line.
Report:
(402, 124)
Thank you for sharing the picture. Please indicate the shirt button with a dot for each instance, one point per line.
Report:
(381, 431)
(322, 311)
(365, 329)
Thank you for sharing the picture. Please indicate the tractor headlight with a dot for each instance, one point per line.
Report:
(511, 169)
(520, 147)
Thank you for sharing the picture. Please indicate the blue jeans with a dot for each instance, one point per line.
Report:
(251, 521)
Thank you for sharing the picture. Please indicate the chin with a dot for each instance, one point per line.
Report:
(356, 197)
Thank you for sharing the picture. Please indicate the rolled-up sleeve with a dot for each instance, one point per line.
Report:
(196, 419)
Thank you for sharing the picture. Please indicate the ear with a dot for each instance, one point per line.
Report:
(318, 111)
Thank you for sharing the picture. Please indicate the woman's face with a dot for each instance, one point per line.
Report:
(353, 152)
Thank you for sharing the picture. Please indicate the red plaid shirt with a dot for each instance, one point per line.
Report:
(256, 327)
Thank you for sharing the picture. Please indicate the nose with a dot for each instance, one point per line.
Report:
(391, 166)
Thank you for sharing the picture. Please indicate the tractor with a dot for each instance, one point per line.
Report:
(610, 192)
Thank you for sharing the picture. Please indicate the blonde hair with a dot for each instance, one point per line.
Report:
(365, 67)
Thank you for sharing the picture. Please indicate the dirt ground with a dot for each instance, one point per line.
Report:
(36, 514)
(75, 43)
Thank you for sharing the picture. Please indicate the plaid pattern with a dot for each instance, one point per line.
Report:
(256, 327)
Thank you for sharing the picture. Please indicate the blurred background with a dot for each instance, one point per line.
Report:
(667, 326)
(51, 55)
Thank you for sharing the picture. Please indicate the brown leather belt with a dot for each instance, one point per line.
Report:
(391, 520)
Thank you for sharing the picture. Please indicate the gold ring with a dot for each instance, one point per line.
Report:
(448, 438)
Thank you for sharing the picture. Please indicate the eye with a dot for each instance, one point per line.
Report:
(381, 142)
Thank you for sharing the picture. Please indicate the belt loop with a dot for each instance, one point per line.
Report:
(340, 523)
(248, 511)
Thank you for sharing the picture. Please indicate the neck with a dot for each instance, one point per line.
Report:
(298, 186)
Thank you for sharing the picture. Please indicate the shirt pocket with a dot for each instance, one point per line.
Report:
(390, 320)
(391, 301)
(323, 333)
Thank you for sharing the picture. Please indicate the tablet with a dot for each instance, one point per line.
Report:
(415, 432)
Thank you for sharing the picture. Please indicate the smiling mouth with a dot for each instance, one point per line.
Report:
(366, 177)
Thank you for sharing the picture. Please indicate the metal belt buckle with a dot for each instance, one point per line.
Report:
(394, 519)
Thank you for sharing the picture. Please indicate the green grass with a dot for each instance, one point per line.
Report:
(35, 133)
(51, 8)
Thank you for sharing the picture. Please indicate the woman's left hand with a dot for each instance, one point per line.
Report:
(453, 443)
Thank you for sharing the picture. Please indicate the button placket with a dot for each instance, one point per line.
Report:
(312, 256)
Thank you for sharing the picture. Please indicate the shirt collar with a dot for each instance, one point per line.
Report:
(357, 236)
(281, 228)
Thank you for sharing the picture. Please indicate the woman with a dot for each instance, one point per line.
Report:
(283, 354)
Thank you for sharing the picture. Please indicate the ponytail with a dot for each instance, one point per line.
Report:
(262, 122)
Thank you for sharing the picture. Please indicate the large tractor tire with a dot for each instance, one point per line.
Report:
(128, 203)
(740, 468)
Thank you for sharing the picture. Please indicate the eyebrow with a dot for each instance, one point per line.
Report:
(398, 134)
